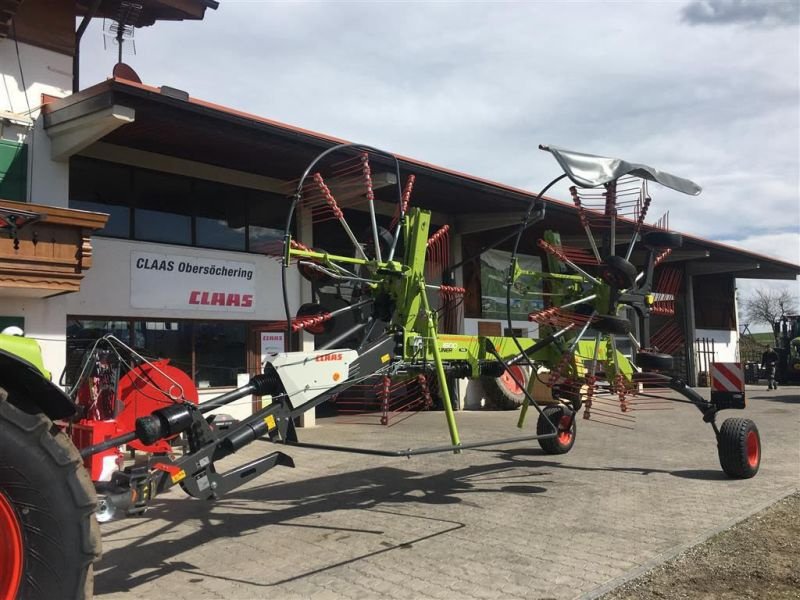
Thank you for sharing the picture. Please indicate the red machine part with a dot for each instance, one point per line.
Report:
(110, 412)
(147, 388)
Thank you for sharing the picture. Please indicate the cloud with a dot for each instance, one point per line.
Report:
(762, 13)
(477, 86)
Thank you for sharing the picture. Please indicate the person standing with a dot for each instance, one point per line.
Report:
(769, 362)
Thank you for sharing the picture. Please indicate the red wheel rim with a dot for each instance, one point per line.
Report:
(565, 430)
(508, 380)
(11, 551)
(753, 449)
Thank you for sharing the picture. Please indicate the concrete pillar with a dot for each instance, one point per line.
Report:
(690, 331)
(305, 232)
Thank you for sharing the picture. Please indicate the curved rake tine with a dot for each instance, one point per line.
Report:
(367, 174)
(337, 212)
(405, 197)
(585, 222)
(611, 213)
(593, 367)
(640, 220)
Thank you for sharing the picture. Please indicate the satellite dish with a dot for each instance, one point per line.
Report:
(126, 72)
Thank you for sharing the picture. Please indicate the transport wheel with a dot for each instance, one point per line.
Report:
(611, 324)
(503, 392)
(739, 447)
(618, 272)
(48, 533)
(564, 419)
(654, 361)
(662, 239)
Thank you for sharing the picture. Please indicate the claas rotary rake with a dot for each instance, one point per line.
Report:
(385, 305)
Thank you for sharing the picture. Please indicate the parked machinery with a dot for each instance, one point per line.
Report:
(787, 332)
(380, 318)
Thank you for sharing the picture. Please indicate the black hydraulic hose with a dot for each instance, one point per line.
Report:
(522, 229)
(109, 443)
(255, 386)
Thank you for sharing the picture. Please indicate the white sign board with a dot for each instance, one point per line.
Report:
(271, 343)
(176, 281)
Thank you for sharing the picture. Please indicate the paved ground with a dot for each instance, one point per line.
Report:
(509, 522)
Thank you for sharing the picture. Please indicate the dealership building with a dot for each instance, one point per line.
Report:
(196, 195)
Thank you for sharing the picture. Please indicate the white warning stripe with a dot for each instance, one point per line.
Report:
(727, 377)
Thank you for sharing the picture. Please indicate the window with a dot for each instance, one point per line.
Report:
(161, 207)
(102, 190)
(219, 353)
(212, 353)
(266, 225)
(526, 293)
(221, 217)
(81, 336)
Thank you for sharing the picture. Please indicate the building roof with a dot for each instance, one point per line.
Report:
(150, 12)
(171, 122)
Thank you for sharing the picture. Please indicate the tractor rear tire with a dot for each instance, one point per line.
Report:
(739, 447)
(50, 536)
(502, 393)
(564, 419)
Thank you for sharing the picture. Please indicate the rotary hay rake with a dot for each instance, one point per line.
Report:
(374, 320)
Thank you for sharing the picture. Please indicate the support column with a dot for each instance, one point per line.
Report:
(691, 331)
(305, 232)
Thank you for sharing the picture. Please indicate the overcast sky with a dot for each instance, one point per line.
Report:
(707, 90)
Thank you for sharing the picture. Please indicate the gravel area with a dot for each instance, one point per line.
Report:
(757, 558)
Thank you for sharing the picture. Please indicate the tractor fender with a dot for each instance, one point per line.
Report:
(26, 385)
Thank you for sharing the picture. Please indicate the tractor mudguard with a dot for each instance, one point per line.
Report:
(23, 380)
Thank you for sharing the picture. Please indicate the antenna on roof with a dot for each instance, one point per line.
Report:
(121, 28)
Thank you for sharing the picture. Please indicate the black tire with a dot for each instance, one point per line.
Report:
(662, 239)
(739, 447)
(558, 415)
(654, 361)
(502, 392)
(618, 272)
(611, 324)
(44, 483)
(310, 310)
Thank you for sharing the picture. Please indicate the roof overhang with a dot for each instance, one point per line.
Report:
(170, 122)
(151, 11)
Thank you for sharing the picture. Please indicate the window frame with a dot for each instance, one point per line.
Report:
(248, 344)
(131, 201)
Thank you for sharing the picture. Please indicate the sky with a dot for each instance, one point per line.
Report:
(708, 90)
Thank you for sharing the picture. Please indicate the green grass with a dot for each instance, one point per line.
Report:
(764, 338)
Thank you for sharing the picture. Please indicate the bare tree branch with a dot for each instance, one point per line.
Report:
(769, 305)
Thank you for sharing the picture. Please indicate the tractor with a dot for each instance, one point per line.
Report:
(381, 302)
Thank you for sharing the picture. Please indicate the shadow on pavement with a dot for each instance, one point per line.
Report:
(147, 558)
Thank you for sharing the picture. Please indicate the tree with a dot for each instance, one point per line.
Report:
(769, 305)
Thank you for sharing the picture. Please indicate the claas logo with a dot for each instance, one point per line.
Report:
(327, 357)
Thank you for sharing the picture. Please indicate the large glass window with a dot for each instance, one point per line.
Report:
(107, 190)
(212, 353)
(219, 352)
(221, 218)
(161, 207)
(83, 333)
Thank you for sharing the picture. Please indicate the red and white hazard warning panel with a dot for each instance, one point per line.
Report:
(727, 385)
